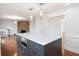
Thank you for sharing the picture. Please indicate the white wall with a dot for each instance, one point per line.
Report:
(9, 24)
(54, 26)
(48, 26)
(33, 26)
(44, 26)
(71, 28)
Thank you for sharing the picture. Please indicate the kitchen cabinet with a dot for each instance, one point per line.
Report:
(36, 49)
(21, 50)
(50, 49)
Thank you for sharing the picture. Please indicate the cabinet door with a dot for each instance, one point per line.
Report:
(19, 49)
(22, 49)
(18, 39)
(25, 52)
(35, 48)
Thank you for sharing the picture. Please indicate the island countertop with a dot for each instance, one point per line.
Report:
(42, 39)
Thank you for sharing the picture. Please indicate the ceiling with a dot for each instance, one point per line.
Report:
(24, 10)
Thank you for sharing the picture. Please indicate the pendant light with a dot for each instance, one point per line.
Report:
(31, 15)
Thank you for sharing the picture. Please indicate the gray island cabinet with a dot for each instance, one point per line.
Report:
(28, 47)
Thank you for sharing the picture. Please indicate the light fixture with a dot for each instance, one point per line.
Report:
(41, 12)
(15, 22)
(67, 4)
(12, 17)
(31, 15)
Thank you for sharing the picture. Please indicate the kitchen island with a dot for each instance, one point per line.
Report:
(32, 44)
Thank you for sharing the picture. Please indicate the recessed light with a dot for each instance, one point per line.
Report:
(12, 17)
(31, 17)
(41, 13)
(67, 4)
(15, 22)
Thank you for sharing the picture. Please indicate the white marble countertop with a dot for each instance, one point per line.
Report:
(42, 39)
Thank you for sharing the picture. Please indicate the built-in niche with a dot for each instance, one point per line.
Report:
(23, 26)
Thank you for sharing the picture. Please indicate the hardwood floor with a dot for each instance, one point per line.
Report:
(69, 53)
(8, 48)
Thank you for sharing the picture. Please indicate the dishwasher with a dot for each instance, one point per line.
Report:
(22, 47)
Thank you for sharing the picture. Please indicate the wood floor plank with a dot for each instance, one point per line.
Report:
(9, 46)
(70, 53)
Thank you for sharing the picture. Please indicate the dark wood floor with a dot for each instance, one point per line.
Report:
(9, 48)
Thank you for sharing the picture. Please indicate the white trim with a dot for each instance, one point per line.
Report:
(72, 36)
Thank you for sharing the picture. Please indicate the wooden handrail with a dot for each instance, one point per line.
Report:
(62, 35)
